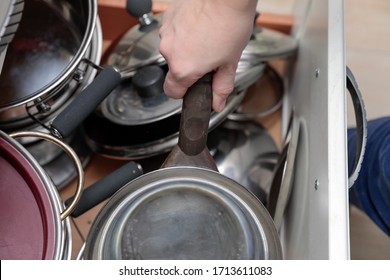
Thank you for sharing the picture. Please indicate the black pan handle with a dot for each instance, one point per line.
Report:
(106, 187)
(84, 104)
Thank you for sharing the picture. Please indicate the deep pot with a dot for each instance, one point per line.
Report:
(35, 221)
(45, 66)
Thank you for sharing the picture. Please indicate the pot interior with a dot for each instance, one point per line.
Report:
(185, 223)
(183, 213)
(49, 36)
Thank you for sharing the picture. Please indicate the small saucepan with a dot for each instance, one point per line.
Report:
(186, 209)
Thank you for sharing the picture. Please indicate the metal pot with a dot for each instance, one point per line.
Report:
(47, 66)
(186, 209)
(45, 63)
(33, 218)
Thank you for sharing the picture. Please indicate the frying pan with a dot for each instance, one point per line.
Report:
(186, 209)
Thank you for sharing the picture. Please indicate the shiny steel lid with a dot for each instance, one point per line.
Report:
(140, 47)
(267, 44)
(183, 213)
(127, 105)
(140, 99)
(137, 48)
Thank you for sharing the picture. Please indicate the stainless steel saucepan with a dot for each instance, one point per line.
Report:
(186, 209)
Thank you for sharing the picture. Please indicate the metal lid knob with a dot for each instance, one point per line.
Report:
(142, 10)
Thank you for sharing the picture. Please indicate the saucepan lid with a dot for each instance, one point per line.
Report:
(267, 44)
(141, 99)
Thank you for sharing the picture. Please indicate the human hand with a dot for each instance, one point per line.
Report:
(201, 36)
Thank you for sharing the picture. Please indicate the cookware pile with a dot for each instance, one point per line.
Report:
(195, 184)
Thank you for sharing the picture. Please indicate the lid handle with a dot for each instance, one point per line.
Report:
(149, 81)
(142, 10)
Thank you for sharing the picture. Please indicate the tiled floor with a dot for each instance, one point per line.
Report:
(367, 34)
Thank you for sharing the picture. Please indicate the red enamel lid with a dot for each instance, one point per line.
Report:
(27, 220)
